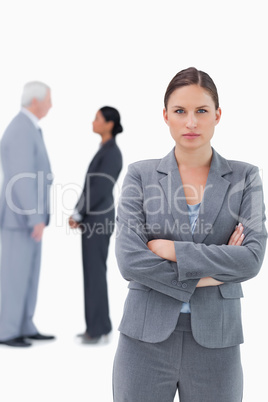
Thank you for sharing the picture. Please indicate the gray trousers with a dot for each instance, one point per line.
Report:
(20, 268)
(153, 372)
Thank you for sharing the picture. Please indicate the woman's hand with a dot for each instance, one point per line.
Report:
(73, 224)
(204, 282)
(237, 237)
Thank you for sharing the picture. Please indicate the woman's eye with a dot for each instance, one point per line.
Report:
(180, 111)
(201, 111)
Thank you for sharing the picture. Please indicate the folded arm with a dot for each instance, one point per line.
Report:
(135, 261)
(166, 249)
(226, 262)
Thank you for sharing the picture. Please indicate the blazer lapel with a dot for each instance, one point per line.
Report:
(173, 189)
(214, 194)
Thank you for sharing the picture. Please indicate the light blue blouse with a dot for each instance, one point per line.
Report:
(193, 211)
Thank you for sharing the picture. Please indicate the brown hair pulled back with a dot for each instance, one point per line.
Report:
(192, 76)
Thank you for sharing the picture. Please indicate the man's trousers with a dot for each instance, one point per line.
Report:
(20, 268)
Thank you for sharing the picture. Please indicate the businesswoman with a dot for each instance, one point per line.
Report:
(190, 230)
(94, 214)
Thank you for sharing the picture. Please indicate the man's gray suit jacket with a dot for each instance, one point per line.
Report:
(153, 206)
(27, 176)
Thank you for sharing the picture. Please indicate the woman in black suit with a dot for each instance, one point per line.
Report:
(95, 216)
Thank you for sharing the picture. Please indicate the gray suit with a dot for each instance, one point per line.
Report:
(24, 203)
(153, 206)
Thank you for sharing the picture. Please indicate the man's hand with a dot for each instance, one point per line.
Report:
(37, 232)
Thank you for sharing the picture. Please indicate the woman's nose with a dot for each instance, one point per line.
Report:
(191, 121)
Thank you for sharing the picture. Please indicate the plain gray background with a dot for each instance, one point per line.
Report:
(123, 53)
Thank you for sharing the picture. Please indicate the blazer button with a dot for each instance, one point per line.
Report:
(174, 282)
(184, 285)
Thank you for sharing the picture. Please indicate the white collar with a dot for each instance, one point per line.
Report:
(31, 116)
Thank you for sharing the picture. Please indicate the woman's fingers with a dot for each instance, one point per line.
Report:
(204, 282)
(237, 237)
(73, 224)
(240, 240)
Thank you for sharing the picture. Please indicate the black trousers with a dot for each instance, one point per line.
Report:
(95, 243)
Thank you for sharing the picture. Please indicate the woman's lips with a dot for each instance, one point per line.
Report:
(191, 135)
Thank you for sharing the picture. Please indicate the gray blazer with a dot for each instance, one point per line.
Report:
(153, 206)
(24, 198)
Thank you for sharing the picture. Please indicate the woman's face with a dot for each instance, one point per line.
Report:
(100, 125)
(191, 116)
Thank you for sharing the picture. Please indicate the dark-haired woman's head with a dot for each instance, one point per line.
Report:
(192, 109)
(107, 120)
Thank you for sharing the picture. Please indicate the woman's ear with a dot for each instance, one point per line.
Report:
(165, 115)
(218, 116)
(110, 125)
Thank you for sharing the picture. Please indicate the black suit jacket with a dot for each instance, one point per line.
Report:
(97, 200)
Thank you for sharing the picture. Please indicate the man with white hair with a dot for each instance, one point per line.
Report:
(24, 213)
